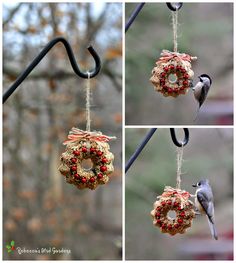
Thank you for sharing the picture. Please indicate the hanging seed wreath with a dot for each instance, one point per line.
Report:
(84, 145)
(172, 74)
(173, 200)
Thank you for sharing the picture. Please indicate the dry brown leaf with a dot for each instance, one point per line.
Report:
(113, 53)
(18, 213)
(29, 195)
(117, 118)
(34, 224)
(56, 241)
(6, 184)
(10, 225)
(32, 30)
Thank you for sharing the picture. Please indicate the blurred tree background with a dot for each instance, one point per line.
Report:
(205, 30)
(40, 209)
(208, 154)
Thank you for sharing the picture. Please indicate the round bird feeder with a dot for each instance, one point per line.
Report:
(172, 75)
(83, 145)
(177, 202)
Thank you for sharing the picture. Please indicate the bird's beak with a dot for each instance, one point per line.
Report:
(200, 78)
(194, 185)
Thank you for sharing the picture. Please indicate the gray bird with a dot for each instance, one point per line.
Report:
(201, 89)
(205, 205)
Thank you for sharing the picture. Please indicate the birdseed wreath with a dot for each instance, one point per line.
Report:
(84, 145)
(173, 200)
(172, 74)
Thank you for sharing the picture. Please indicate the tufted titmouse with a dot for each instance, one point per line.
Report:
(201, 89)
(204, 203)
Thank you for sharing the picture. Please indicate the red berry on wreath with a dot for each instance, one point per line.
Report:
(73, 160)
(186, 76)
(84, 149)
(182, 214)
(185, 82)
(180, 221)
(103, 168)
(172, 67)
(158, 214)
(179, 208)
(99, 176)
(166, 69)
(176, 204)
(99, 153)
(76, 176)
(104, 160)
(169, 90)
(176, 225)
(169, 227)
(169, 203)
(163, 203)
(83, 180)
(165, 87)
(76, 152)
(163, 226)
(74, 168)
(163, 74)
(92, 180)
(92, 150)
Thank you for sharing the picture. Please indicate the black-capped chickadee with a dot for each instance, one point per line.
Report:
(204, 203)
(201, 89)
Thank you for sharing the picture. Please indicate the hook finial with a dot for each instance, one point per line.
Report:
(42, 54)
(174, 139)
(174, 6)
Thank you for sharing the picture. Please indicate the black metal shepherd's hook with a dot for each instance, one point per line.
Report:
(138, 8)
(174, 6)
(174, 139)
(148, 137)
(41, 55)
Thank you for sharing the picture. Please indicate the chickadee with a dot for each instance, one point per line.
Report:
(204, 203)
(201, 89)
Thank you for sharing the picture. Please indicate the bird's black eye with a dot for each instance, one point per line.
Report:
(199, 184)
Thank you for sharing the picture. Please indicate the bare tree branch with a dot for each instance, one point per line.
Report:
(57, 74)
(11, 14)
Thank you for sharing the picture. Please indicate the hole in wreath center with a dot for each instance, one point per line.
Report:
(171, 214)
(172, 78)
(87, 164)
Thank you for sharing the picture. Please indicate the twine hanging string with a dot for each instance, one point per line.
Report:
(75, 135)
(175, 27)
(88, 88)
(179, 165)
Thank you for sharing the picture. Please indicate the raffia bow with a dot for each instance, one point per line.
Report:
(76, 135)
(167, 55)
(178, 193)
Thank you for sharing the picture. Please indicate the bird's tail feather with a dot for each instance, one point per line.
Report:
(197, 114)
(213, 229)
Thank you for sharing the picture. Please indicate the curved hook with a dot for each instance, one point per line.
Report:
(42, 54)
(174, 139)
(174, 6)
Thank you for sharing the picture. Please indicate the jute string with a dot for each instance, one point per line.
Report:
(88, 118)
(175, 27)
(179, 165)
